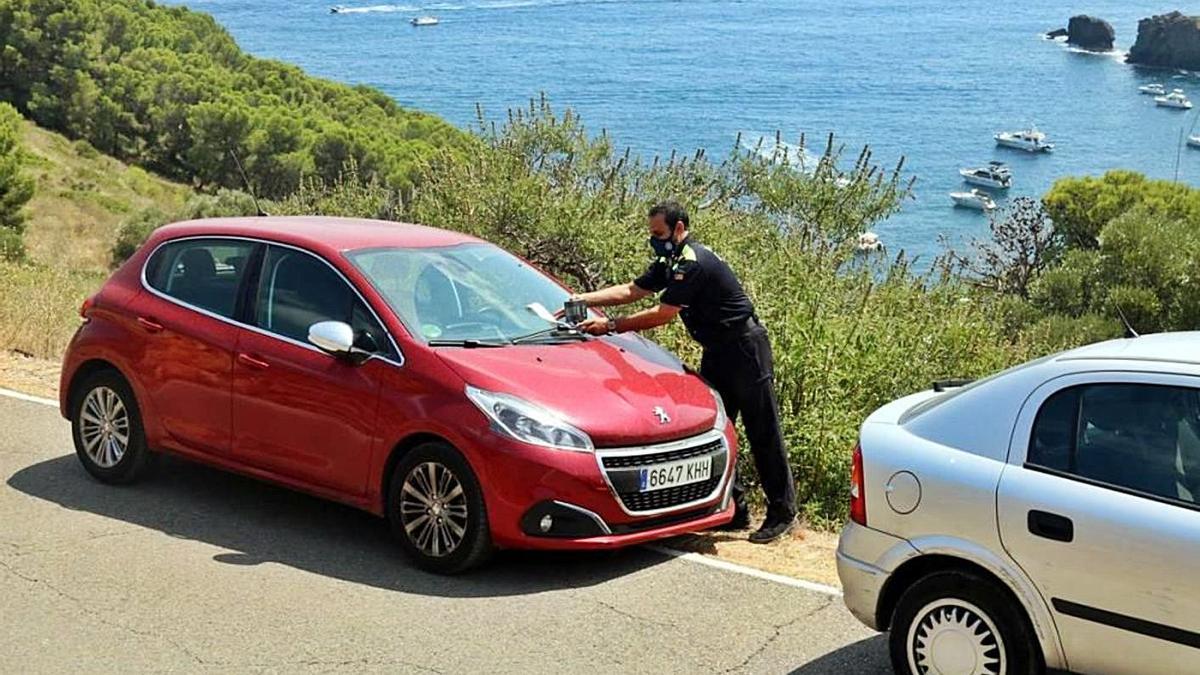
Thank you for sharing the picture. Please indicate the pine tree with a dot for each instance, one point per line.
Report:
(16, 188)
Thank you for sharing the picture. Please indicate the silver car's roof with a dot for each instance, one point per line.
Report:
(1182, 348)
(979, 417)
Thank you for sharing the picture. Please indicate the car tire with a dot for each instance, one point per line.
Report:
(106, 425)
(435, 508)
(947, 619)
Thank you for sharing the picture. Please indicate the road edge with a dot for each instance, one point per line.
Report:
(28, 398)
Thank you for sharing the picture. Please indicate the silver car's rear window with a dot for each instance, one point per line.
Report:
(931, 403)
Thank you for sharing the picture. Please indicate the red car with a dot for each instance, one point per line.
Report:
(415, 373)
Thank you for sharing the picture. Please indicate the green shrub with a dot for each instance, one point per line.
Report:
(16, 188)
(1081, 207)
(12, 246)
(135, 230)
(1145, 266)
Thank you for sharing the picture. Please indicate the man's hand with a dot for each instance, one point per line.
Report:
(594, 326)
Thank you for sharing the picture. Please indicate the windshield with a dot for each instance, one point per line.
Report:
(466, 292)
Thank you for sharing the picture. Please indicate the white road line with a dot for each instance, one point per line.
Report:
(748, 571)
(26, 397)
(691, 557)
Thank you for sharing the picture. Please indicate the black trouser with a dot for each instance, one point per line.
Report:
(741, 369)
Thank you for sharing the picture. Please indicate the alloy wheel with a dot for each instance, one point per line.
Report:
(104, 427)
(433, 509)
(951, 636)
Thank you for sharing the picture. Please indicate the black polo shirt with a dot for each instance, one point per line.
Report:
(698, 281)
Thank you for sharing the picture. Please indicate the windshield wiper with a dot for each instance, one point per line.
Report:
(558, 332)
(469, 344)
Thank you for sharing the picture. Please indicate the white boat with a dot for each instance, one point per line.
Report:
(869, 242)
(1154, 89)
(995, 175)
(975, 199)
(1175, 99)
(1194, 141)
(1029, 140)
(425, 21)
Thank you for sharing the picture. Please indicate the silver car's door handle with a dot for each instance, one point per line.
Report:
(1051, 526)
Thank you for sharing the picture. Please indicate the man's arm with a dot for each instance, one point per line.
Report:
(646, 319)
(621, 294)
(656, 316)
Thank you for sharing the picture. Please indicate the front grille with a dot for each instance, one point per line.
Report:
(668, 497)
(661, 457)
(624, 474)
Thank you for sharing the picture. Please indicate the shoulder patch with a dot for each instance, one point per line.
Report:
(688, 253)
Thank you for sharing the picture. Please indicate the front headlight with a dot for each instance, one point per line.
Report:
(528, 422)
(719, 423)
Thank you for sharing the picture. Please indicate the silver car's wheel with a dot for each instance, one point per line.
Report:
(951, 636)
(104, 427)
(433, 509)
(960, 622)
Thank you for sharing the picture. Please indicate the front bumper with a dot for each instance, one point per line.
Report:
(523, 483)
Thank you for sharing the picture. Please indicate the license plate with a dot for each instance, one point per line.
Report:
(682, 472)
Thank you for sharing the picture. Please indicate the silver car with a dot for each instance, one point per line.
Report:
(1046, 517)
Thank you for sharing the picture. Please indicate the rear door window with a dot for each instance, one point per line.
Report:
(204, 273)
(1136, 437)
(296, 289)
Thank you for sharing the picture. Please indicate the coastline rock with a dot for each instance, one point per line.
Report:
(1057, 33)
(1167, 40)
(1091, 33)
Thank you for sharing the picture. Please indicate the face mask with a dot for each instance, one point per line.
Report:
(663, 248)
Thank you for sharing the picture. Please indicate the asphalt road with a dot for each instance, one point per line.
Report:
(197, 570)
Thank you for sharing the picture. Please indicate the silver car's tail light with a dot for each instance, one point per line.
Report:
(858, 489)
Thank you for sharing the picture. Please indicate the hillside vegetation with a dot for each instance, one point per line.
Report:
(168, 89)
(80, 200)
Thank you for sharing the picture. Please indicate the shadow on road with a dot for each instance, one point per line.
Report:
(865, 657)
(261, 523)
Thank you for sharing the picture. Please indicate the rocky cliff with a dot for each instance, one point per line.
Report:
(1167, 40)
(1091, 33)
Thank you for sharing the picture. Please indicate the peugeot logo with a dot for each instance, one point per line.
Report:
(662, 415)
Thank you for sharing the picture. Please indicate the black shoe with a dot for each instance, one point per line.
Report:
(741, 521)
(772, 529)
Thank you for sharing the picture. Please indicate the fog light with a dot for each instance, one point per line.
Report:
(546, 523)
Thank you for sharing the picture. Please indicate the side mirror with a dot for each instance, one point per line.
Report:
(337, 338)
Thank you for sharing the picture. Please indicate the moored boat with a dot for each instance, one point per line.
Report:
(1029, 140)
(995, 175)
(1153, 89)
(1176, 99)
(1193, 141)
(975, 199)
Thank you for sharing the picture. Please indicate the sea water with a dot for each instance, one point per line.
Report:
(929, 81)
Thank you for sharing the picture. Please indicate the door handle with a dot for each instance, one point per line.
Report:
(1051, 526)
(149, 324)
(252, 361)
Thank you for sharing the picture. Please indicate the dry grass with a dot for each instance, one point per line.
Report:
(82, 197)
(39, 307)
(804, 554)
(80, 200)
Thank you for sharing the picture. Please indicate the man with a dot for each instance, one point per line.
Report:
(701, 289)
